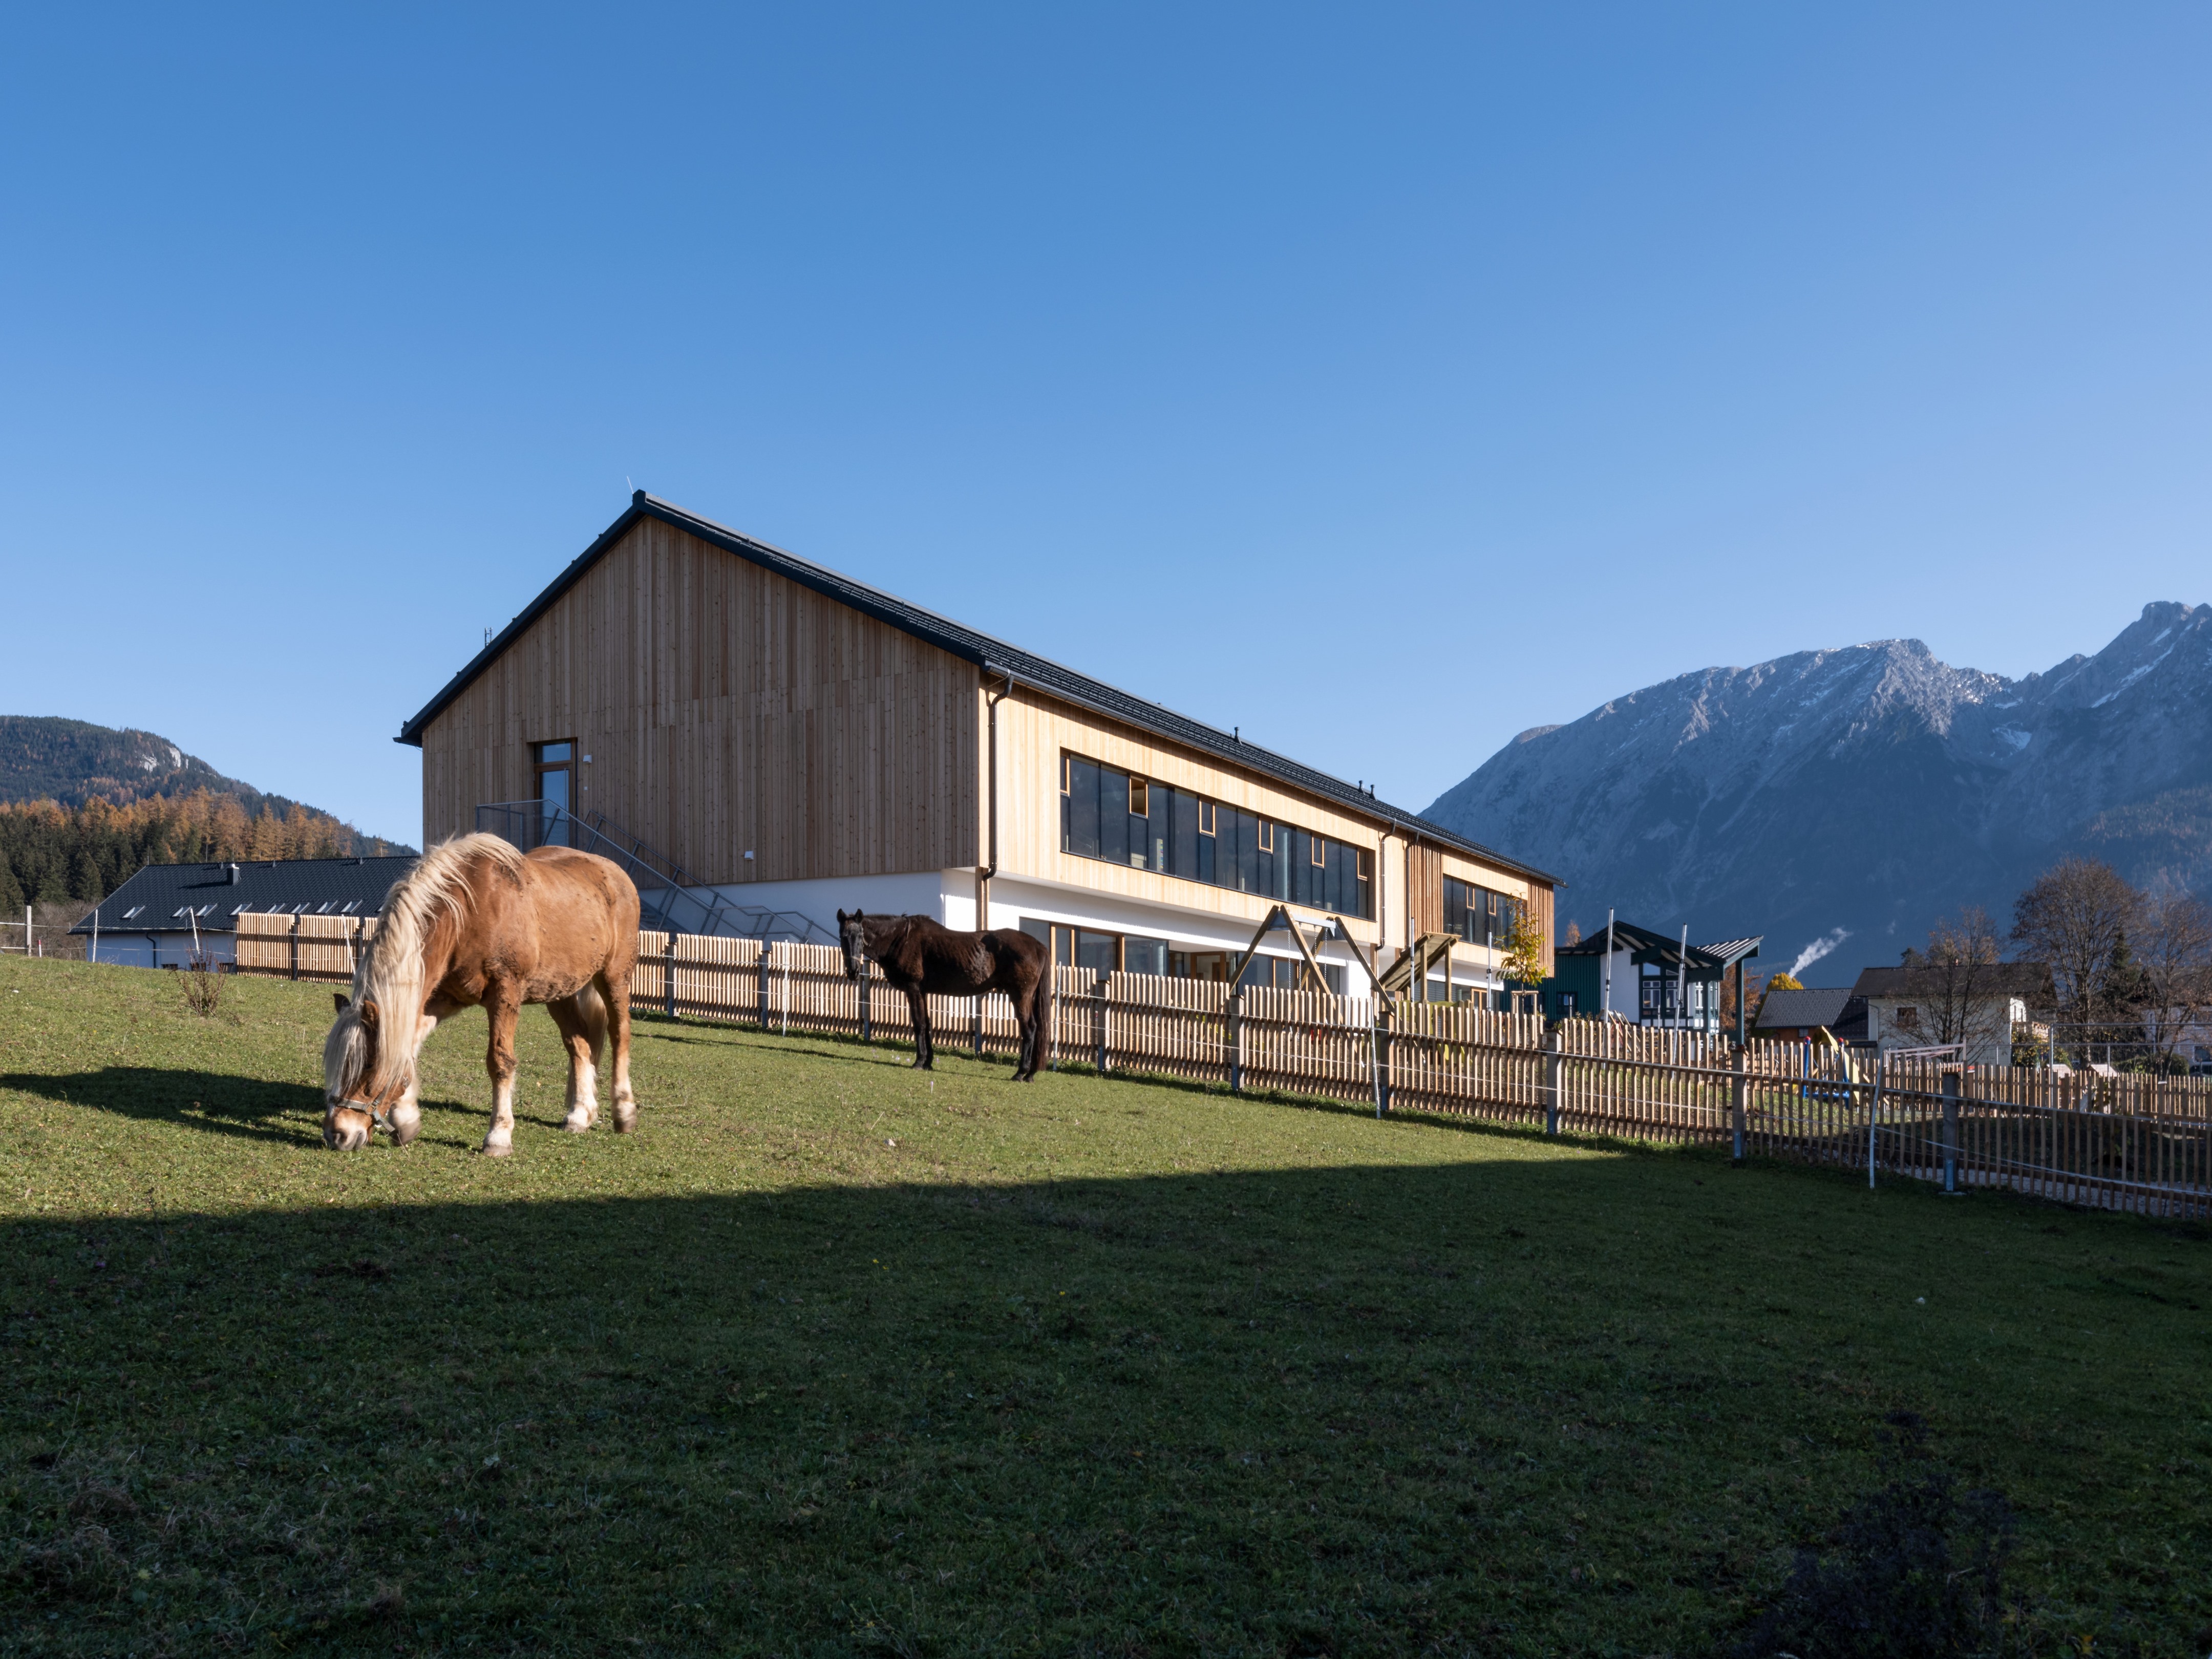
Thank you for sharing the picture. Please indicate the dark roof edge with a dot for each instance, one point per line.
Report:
(995, 656)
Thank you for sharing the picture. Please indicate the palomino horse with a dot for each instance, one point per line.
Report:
(475, 921)
(923, 959)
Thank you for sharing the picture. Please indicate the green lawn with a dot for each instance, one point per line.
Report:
(834, 1360)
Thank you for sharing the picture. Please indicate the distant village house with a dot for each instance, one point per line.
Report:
(167, 912)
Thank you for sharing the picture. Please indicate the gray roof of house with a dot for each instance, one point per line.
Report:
(994, 657)
(1814, 1006)
(1995, 979)
(159, 893)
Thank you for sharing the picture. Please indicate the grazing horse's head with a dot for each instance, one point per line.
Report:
(853, 934)
(365, 1070)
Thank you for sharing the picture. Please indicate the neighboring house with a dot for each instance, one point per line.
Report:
(764, 742)
(1804, 1016)
(150, 921)
(1648, 975)
(1929, 1008)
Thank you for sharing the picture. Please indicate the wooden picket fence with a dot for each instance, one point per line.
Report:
(311, 947)
(2130, 1142)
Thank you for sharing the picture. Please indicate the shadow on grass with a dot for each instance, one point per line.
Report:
(210, 1101)
(1480, 1407)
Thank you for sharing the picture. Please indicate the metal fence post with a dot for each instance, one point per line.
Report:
(978, 1023)
(1950, 1134)
(670, 972)
(1554, 1065)
(1874, 1118)
(1376, 1063)
(1236, 1040)
(1098, 995)
(293, 932)
(767, 966)
(867, 980)
(1382, 1063)
(1739, 1086)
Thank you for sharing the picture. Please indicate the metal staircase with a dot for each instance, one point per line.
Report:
(670, 899)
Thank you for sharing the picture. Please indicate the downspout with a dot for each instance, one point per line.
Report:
(991, 740)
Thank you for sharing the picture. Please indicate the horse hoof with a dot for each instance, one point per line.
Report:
(579, 1126)
(626, 1126)
(498, 1148)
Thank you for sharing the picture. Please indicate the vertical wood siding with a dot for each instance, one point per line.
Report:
(725, 707)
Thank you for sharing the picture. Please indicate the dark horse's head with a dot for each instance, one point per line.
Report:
(853, 935)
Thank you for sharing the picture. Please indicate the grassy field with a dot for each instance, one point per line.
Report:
(834, 1358)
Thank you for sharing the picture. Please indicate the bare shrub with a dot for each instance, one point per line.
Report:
(202, 979)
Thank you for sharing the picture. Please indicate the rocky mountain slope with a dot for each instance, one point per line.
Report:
(1849, 797)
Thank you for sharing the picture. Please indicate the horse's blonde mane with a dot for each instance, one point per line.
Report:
(390, 967)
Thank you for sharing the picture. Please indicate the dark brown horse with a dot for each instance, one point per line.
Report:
(925, 959)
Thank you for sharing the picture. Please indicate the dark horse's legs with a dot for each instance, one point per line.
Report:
(1031, 1012)
(925, 1053)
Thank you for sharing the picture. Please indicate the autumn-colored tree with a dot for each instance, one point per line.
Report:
(49, 853)
(1524, 948)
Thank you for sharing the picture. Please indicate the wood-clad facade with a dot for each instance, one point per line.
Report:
(768, 724)
(1036, 730)
(725, 709)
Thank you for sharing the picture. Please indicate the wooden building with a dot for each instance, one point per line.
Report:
(786, 739)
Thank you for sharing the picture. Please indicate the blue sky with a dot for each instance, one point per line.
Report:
(1383, 381)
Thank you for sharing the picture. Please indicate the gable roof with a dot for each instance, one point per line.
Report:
(993, 657)
(1996, 979)
(1644, 945)
(158, 892)
(1816, 1007)
(1626, 936)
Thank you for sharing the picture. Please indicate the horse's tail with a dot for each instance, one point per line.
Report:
(591, 1010)
(1040, 1025)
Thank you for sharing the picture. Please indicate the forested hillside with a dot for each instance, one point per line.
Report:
(52, 851)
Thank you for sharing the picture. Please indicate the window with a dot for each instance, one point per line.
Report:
(351, 905)
(207, 910)
(553, 768)
(1110, 814)
(1908, 1019)
(134, 910)
(1478, 915)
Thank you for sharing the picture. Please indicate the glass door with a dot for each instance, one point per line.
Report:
(556, 768)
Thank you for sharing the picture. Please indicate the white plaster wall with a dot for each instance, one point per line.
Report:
(1014, 900)
(949, 896)
(161, 950)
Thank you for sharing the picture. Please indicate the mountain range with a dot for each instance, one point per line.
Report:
(1838, 802)
(45, 757)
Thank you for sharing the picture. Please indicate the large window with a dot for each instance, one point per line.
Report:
(1478, 915)
(1107, 813)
